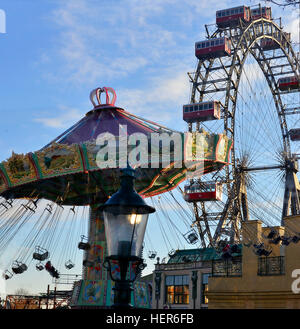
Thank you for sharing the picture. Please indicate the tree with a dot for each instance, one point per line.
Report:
(21, 291)
(285, 3)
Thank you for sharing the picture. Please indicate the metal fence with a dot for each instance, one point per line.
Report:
(67, 278)
(228, 268)
(271, 266)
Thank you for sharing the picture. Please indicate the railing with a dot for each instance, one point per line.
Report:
(178, 266)
(271, 266)
(228, 268)
(67, 278)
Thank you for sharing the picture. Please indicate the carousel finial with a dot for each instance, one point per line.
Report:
(97, 93)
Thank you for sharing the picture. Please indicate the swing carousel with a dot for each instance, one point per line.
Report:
(57, 184)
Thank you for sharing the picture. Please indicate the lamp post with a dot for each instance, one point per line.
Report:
(125, 220)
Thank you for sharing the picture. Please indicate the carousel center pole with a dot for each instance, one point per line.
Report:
(96, 254)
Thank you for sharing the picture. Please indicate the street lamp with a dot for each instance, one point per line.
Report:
(125, 219)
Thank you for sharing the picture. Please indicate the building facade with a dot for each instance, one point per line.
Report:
(264, 282)
(201, 278)
(182, 282)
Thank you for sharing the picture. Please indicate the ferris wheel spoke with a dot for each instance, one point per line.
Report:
(254, 117)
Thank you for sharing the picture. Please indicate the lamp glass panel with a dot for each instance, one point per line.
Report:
(124, 233)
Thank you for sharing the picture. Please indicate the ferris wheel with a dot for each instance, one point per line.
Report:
(246, 86)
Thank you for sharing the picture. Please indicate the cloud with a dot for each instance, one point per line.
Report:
(90, 45)
(100, 41)
(147, 46)
(293, 26)
(160, 99)
(139, 47)
(107, 40)
(157, 100)
(63, 120)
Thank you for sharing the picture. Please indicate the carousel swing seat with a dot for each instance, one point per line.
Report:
(40, 254)
(234, 249)
(276, 240)
(192, 238)
(152, 254)
(39, 266)
(171, 253)
(286, 240)
(88, 263)
(83, 244)
(263, 252)
(18, 267)
(272, 234)
(7, 275)
(260, 250)
(69, 264)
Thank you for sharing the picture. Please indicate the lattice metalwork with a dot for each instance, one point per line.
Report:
(227, 268)
(223, 79)
(268, 266)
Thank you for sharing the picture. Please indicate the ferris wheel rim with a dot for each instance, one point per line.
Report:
(229, 117)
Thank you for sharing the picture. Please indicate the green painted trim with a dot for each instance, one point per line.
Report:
(106, 294)
(36, 162)
(5, 174)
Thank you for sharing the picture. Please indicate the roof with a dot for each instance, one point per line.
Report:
(56, 294)
(196, 255)
(108, 119)
(146, 278)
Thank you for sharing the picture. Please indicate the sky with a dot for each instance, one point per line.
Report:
(54, 52)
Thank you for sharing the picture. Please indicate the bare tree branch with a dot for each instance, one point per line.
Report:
(285, 3)
(21, 291)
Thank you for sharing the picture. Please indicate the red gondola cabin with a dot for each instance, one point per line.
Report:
(270, 44)
(210, 191)
(203, 111)
(261, 12)
(213, 48)
(295, 134)
(288, 83)
(231, 16)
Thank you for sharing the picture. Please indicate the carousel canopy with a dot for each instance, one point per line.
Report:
(67, 170)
